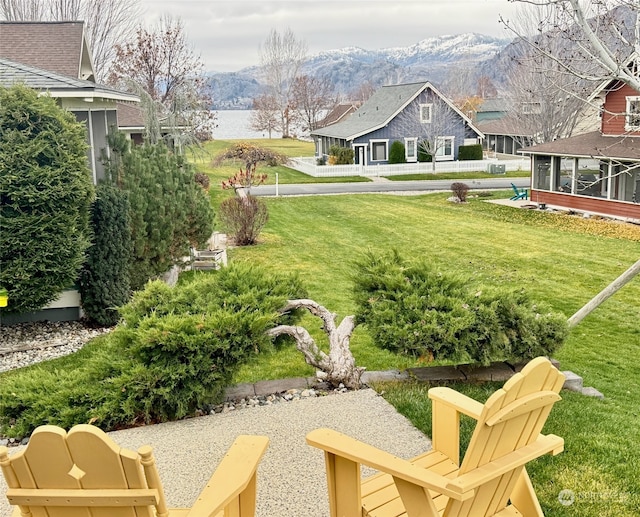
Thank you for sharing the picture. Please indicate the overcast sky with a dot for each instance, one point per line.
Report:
(228, 33)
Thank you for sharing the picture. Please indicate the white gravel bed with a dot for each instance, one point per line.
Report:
(28, 343)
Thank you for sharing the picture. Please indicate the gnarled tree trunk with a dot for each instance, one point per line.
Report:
(338, 366)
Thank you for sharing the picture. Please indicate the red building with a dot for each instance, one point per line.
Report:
(596, 172)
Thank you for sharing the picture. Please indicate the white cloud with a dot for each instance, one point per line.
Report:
(228, 34)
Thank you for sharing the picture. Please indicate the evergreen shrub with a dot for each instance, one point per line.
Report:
(414, 309)
(169, 210)
(397, 152)
(174, 354)
(343, 155)
(104, 280)
(470, 152)
(45, 194)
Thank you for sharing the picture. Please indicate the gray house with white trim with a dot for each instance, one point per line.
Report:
(411, 113)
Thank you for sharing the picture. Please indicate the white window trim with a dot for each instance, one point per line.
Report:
(440, 148)
(386, 144)
(627, 125)
(422, 118)
(413, 158)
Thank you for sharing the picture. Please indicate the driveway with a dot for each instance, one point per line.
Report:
(315, 189)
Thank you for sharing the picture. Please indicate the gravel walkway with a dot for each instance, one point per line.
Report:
(291, 478)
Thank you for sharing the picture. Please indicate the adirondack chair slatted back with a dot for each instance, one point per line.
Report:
(84, 458)
(512, 418)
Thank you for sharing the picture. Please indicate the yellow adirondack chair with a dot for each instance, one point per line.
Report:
(492, 479)
(83, 473)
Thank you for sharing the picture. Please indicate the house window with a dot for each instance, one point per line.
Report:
(411, 149)
(425, 113)
(633, 114)
(444, 147)
(379, 150)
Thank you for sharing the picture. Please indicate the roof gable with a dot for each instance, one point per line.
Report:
(381, 108)
(59, 47)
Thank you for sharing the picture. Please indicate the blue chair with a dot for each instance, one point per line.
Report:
(519, 193)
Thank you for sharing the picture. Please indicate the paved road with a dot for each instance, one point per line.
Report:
(383, 187)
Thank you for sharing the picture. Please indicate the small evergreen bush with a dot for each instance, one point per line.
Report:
(416, 310)
(470, 152)
(244, 218)
(397, 152)
(343, 155)
(104, 279)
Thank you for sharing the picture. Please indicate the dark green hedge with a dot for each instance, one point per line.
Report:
(45, 194)
(470, 152)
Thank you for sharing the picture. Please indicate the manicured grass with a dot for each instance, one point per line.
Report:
(292, 148)
(457, 175)
(560, 259)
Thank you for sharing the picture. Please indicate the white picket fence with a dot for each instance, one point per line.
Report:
(308, 166)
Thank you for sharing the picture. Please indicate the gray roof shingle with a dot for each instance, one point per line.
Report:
(57, 85)
(375, 113)
(54, 46)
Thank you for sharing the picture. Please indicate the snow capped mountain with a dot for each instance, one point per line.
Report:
(350, 67)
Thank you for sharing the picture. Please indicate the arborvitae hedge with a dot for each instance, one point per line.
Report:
(397, 152)
(45, 194)
(104, 280)
(343, 155)
(413, 309)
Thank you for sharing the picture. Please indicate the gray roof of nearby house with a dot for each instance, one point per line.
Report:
(507, 127)
(496, 104)
(591, 145)
(56, 46)
(380, 109)
(57, 85)
(337, 114)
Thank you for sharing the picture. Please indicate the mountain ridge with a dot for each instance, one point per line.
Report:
(350, 67)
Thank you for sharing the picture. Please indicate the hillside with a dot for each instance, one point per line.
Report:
(430, 59)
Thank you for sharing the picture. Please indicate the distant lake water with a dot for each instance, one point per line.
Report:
(234, 125)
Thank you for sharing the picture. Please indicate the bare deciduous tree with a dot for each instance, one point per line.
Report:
(106, 22)
(162, 63)
(312, 96)
(281, 57)
(265, 114)
(599, 36)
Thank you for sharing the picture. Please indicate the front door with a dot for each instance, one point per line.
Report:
(361, 154)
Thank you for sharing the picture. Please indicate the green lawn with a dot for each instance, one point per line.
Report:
(560, 259)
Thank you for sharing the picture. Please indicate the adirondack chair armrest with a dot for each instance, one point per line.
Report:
(333, 442)
(448, 405)
(235, 478)
(455, 400)
(545, 444)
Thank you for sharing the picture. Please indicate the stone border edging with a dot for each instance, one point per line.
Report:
(500, 371)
